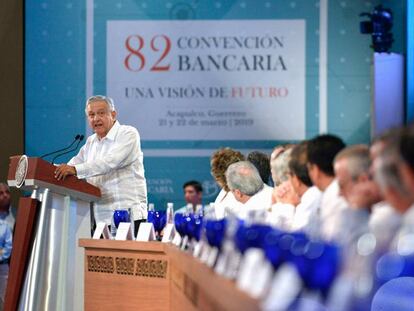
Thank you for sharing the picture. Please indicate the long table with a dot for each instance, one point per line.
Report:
(129, 275)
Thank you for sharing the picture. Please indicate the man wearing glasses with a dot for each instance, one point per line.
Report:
(112, 160)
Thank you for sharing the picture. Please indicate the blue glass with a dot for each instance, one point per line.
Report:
(121, 215)
(271, 248)
(188, 225)
(296, 247)
(317, 263)
(251, 236)
(179, 223)
(215, 230)
(194, 226)
(324, 267)
(159, 221)
(150, 216)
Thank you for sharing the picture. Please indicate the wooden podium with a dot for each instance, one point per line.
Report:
(130, 275)
(46, 268)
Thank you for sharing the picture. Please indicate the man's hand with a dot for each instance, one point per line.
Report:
(284, 193)
(64, 170)
(364, 195)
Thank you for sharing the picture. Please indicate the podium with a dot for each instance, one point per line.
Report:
(46, 267)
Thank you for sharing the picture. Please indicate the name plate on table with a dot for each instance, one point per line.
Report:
(177, 239)
(205, 253)
(255, 273)
(184, 242)
(124, 232)
(285, 287)
(101, 230)
(198, 248)
(146, 232)
(212, 257)
(169, 232)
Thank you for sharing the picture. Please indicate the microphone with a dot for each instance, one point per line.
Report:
(68, 151)
(63, 149)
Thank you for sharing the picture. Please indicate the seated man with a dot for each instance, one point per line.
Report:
(193, 195)
(394, 170)
(302, 185)
(352, 165)
(321, 152)
(247, 187)
(5, 251)
(281, 214)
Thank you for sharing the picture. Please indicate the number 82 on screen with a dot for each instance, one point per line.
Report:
(137, 53)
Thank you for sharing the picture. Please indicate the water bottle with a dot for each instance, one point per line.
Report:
(170, 213)
(189, 208)
(199, 209)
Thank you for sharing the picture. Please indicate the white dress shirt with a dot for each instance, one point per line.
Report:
(281, 216)
(260, 201)
(332, 213)
(306, 209)
(384, 223)
(115, 165)
(402, 241)
(224, 202)
(290, 218)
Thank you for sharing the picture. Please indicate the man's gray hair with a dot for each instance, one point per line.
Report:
(279, 166)
(387, 173)
(244, 177)
(101, 98)
(358, 157)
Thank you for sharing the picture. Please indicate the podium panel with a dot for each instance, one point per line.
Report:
(46, 262)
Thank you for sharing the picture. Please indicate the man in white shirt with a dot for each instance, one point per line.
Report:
(394, 172)
(321, 152)
(309, 195)
(112, 160)
(193, 196)
(352, 170)
(247, 187)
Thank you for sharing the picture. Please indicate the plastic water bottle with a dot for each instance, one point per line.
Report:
(189, 208)
(170, 213)
(199, 209)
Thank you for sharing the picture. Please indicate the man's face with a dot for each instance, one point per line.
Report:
(100, 118)
(345, 182)
(4, 197)
(313, 172)
(192, 196)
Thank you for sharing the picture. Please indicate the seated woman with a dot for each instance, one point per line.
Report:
(220, 161)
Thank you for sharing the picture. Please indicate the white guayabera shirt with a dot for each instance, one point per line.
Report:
(115, 165)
